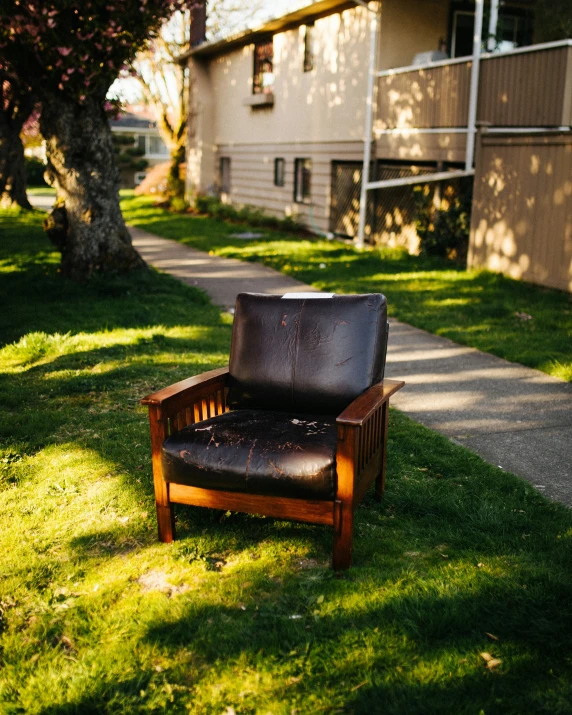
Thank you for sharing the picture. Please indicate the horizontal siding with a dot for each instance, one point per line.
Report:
(252, 177)
(294, 148)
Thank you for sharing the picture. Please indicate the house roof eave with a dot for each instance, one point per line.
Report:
(246, 37)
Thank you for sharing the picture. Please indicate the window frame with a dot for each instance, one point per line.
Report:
(309, 53)
(224, 161)
(279, 171)
(156, 138)
(263, 57)
(303, 180)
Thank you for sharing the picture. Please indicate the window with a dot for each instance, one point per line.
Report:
(263, 76)
(224, 171)
(138, 177)
(302, 180)
(158, 147)
(309, 54)
(514, 29)
(140, 143)
(508, 33)
(279, 169)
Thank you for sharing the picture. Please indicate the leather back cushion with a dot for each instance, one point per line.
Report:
(311, 355)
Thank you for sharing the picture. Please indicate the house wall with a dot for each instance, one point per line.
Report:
(325, 104)
(318, 114)
(522, 208)
(201, 149)
(409, 27)
(252, 176)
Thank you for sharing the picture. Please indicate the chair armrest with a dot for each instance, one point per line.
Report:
(180, 394)
(357, 412)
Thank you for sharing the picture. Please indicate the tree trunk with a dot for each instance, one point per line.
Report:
(12, 165)
(175, 184)
(89, 230)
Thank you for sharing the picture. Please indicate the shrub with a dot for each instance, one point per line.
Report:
(444, 231)
(214, 207)
(178, 204)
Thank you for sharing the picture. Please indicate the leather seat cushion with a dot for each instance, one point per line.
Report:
(257, 452)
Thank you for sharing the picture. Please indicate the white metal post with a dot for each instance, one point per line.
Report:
(474, 90)
(368, 131)
(493, 23)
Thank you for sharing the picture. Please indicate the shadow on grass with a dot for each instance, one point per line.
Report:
(145, 299)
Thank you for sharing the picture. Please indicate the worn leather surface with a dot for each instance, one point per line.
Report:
(311, 355)
(256, 451)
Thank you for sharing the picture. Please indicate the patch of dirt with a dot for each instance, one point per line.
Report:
(156, 580)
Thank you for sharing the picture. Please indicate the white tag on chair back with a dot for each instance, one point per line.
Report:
(308, 295)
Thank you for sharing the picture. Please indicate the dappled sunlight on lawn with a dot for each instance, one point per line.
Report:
(243, 612)
(429, 293)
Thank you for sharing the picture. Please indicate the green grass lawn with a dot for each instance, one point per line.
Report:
(483, 310)
(40, 191)
(242, 614)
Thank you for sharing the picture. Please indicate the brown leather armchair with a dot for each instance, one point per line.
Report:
(296, 426)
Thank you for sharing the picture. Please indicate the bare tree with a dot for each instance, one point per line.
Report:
(165, 83)
(165, 87)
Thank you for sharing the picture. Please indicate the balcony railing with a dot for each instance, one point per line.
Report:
(527, 87)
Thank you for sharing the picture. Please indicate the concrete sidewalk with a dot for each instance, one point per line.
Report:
(513, 417)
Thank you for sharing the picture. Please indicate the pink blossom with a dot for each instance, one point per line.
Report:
(64, 51)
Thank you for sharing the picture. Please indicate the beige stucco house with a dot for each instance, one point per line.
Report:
(279, 121)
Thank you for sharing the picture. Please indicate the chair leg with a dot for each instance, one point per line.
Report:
(165, 510)
(343, 535)
(166, 522)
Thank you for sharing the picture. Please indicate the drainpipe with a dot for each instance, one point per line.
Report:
(493, 23)
(368, 126)
(474, 90)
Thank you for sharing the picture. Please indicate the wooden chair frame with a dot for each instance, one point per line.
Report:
(360, 459)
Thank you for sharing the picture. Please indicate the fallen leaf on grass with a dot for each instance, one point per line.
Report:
(490, 662)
